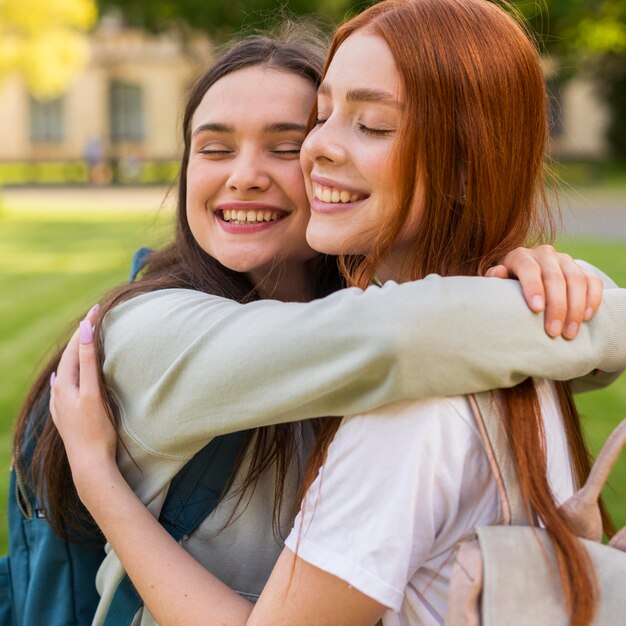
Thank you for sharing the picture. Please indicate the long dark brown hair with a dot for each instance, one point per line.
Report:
(181, 264)
(474, 136)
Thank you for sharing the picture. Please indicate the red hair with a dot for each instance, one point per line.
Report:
(469, 165)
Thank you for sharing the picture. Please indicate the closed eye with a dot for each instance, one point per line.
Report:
(376, 132)
(215, 152)
(287, 151)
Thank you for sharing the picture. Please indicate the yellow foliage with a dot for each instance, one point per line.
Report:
(602, 35)
(45, 40)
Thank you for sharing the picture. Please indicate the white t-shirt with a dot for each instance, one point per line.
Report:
(396, 495)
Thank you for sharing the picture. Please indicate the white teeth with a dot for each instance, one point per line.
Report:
(328, 195)
(250, 217)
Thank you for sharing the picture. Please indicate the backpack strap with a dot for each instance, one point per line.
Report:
(193, 494)
(140, 258)
(495, 441)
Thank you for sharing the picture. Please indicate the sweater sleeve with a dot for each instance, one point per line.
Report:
(184, 366)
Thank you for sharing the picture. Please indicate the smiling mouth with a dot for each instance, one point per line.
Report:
(332, 195)
(235, 216)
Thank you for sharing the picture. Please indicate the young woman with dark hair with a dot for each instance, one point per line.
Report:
(413, 169)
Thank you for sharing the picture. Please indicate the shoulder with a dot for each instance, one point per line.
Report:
(168, 317)
(159, 305)
(436, 424)
(424, 450)
(399, 484)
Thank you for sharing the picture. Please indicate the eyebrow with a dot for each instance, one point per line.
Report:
(276, 127)
(362, 95)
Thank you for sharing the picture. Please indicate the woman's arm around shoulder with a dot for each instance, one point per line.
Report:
(177, 350)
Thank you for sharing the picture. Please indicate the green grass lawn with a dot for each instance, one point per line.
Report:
(602, 410)
(54, 265)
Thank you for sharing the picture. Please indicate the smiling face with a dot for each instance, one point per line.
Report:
(347, 157)
(246, 202)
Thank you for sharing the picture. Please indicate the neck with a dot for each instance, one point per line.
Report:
(288, 281)
(391, 267)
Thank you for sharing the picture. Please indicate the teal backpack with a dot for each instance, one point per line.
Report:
(46, 581)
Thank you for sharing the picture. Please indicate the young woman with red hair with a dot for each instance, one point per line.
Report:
(431, 121)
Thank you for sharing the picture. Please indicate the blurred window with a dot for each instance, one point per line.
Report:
(126, 110)
(46, 121)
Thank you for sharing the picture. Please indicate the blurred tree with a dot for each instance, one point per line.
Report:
(222, 18)
(45, 41)
(588, 35)
(583, 34)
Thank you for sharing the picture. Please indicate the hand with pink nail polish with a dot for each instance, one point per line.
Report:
(78, 409)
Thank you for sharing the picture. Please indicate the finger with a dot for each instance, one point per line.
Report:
(51, 405)
(93, 313)
(595, 289)
(67, 372)
(521, 263)
(497, 271)
(88, 371)
(576, 295)
(556, 294)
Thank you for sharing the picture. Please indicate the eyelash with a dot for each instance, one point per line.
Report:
(226, 152)
(214, 152)
(375, 132)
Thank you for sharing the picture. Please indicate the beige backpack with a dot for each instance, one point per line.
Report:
(507, 575)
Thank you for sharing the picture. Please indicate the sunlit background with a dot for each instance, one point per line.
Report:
(89, 109)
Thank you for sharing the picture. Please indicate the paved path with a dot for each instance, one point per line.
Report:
(595, 212)
(123, 199)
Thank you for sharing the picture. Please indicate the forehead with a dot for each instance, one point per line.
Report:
(256, 96)
(363, 60)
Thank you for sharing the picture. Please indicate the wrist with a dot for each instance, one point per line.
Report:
(94, 476)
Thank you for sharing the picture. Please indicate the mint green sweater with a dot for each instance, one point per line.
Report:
(184, 367)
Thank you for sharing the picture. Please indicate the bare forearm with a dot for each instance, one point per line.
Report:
(174, 586)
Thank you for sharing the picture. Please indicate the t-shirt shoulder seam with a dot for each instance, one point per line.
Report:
(124, 424)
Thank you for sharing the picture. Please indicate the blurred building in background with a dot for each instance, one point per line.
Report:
(119, 120)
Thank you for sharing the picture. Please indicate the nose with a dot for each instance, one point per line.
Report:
(323, 145)
(248, 174)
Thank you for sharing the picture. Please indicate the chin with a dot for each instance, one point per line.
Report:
(328, 242)
(242, 265)
(323, 241)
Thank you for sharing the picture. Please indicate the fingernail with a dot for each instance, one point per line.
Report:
(53, 377)
(571, 330)
(588, 313)
(555, 328)
(537, 303)
(94, 309)
(86, 332)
